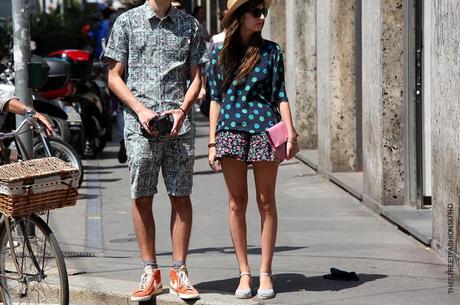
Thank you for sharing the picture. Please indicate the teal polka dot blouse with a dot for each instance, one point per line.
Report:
(250, 106)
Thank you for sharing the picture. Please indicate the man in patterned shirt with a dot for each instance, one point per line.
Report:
(160, 47)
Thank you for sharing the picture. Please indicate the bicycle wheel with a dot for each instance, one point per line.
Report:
(62, 150)
(44, 275)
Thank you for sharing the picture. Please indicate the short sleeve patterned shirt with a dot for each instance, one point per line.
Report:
(252, 105)
(158, 53)
(5, 97)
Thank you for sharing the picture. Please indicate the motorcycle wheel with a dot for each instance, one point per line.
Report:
(61, 128)
(77, 141)
(61, 150)
(95, 133)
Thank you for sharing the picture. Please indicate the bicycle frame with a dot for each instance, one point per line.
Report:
(34, 127)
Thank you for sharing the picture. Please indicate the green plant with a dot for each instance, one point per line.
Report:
(55, 31)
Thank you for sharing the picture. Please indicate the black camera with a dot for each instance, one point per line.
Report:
(163, 124)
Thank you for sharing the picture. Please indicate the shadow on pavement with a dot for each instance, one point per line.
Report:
(209, 172)
(88, 172)
(102, 180)
(87, 196)
(98, 167)
(87, 187)
(230, 250)
(107, 155)
(293, 282)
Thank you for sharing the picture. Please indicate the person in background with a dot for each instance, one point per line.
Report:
(200, 14)
(216, 40)
(100, 32)
(179, 5)
(219, 38)
(246, 79)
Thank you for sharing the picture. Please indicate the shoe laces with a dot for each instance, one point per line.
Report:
(184, 279)
(145, 279)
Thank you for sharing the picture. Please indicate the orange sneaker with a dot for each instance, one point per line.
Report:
(180, 285)
(150, 285)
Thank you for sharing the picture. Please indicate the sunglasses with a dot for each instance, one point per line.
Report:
(257, 12)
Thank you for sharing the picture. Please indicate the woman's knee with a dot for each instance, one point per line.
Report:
(238, 204)
(266, 202)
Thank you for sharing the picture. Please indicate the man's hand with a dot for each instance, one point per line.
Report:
(145, 115)
(45, 122)
(179, 117)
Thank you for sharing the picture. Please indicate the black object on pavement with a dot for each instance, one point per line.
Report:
(337, 274)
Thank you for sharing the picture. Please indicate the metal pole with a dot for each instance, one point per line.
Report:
(21, 53)
(208, 16)
(62, 7)
(218, 25)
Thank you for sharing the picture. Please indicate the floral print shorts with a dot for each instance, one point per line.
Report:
(243, 146)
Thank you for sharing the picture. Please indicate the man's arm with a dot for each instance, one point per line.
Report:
(194, 88)
(10, 103)
(5, 97)
(121, 90)
(190, 97)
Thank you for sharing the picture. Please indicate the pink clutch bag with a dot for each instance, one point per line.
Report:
(277, 135)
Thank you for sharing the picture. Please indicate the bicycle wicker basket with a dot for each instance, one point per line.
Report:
(37, 185)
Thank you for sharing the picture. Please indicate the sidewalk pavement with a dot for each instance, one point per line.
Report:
(320, 226)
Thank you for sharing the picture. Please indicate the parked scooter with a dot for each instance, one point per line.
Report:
(93, 95)
(60, 89)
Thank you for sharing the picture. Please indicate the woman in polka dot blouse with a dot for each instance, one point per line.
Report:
(248, 96)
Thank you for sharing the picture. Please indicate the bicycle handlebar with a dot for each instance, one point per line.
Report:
(31, 120)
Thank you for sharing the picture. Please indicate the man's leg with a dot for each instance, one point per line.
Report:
(181, 226)
(177, 169)
(144, 225)
(143, 168)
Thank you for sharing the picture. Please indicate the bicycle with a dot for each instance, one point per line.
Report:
(32, 266)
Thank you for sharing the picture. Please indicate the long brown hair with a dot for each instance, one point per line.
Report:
(236, 58)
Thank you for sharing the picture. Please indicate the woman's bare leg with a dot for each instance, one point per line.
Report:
(235, 174)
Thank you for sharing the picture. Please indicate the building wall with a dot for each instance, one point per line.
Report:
(336, 96)
(383, 89)
(277, 22)
(384, 60)
(305, 73)
(446, 126)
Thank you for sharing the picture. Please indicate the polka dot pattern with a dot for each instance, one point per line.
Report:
(250, 105)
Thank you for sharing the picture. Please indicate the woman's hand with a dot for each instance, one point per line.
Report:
(202, 94)
(292, 149)
(144, 116)
(213, 162)
(45, 122)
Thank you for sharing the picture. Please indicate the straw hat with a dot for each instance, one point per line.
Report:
(233, 5)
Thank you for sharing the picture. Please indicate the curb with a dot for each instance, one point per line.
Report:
(116, 292)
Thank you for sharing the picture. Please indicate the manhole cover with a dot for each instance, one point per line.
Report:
(78, 254)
